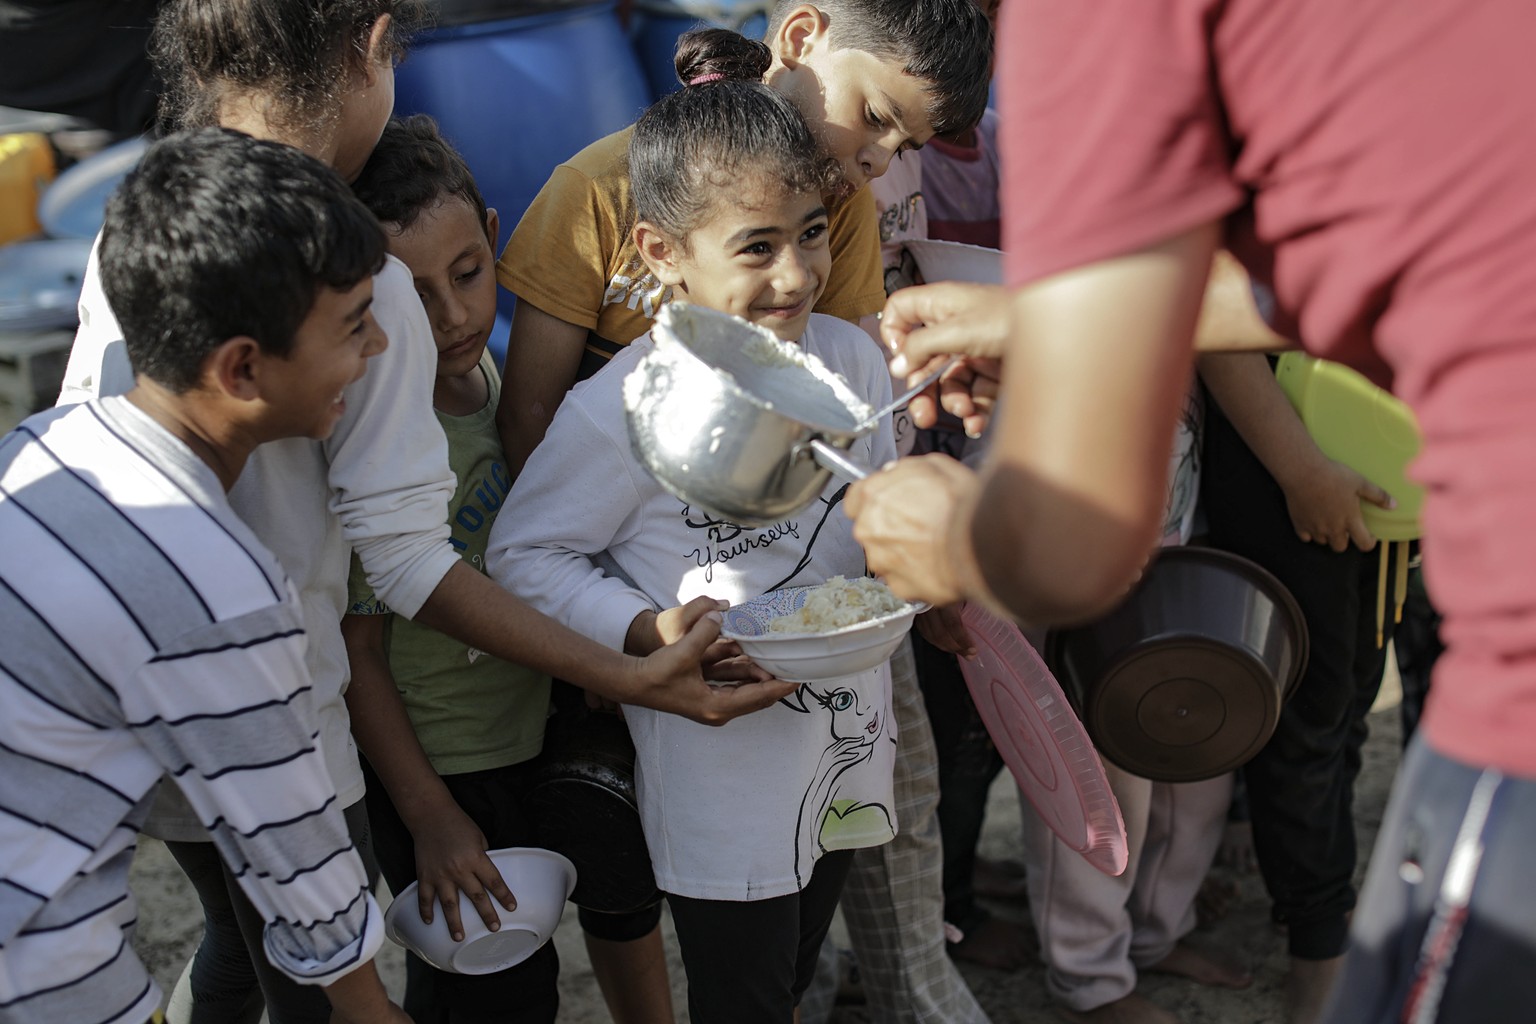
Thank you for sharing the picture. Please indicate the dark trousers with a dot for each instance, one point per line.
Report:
(1487, 976)
(968, 762)
(1301, 785)
(1417, 646)
(522, 994)
(230, 970)
(750, 962)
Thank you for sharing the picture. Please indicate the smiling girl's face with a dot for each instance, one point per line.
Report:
(761, 253)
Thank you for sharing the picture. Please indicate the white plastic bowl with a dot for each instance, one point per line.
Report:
(940, 260)
(540, 880)
(808, 657)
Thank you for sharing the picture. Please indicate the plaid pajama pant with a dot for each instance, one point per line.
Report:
(893, 901)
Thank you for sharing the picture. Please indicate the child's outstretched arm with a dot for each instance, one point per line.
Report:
(472, 608)
(449, 846)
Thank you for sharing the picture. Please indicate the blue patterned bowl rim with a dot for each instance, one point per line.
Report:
(750, 619)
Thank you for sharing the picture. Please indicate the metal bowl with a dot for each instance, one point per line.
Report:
(722, 413)
(1186, 678)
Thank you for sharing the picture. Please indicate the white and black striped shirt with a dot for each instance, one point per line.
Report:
(144, 630)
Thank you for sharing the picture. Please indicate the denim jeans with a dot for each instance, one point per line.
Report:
(1487, 972)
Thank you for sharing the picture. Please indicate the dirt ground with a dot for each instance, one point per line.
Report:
(169, 924)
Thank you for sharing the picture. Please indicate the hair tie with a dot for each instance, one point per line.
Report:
(713, 76)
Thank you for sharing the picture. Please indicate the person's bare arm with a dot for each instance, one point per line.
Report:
(1065, 511)
(449, 846)
(543, 356)
(471, 607)
(359, 998)
(1322, 496)
(1229, 320)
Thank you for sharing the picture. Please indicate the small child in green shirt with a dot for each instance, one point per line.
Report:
(479, 720)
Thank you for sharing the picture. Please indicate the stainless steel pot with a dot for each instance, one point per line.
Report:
(730, 419)
(1186, 678)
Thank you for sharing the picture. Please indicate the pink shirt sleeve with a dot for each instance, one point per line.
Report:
(1113, 138)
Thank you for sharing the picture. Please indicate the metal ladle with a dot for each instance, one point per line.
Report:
(836, 461)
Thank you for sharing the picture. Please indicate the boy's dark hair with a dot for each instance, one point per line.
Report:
(709, 136)
(298, 52)
(216, 235)
(413, 168)
(946, 43)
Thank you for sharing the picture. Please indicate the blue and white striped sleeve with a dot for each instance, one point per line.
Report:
(228, 710)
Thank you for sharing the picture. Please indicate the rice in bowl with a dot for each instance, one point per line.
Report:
(837, 604)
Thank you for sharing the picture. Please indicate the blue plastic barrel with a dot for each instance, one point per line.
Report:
(519, 95)
(656, 24)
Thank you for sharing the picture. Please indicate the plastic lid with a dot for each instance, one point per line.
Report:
(76, 203)
(1367, 429)
(1042, 742)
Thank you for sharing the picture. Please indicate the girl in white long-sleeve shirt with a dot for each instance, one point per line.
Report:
(728, 185)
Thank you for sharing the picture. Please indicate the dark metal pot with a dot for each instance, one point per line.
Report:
(1186, 678)
(582, 805)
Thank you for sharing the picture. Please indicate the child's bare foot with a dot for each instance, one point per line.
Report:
(999, 879)
(998, 944)
(1307, 987)
(1213, 969)
(1133, 1009)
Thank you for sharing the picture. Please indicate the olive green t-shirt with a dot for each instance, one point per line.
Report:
(471, 711)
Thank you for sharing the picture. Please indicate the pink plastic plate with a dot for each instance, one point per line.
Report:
(1042, 742)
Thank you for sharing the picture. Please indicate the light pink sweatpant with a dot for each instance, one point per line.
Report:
(1096, 930)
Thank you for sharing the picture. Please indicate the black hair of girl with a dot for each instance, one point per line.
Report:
(719, 51)
(296, 53)
(720, 137)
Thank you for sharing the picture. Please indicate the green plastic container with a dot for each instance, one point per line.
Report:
(1357, 423)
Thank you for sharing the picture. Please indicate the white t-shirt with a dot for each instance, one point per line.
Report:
(1184, 470)
(738, 812)
(380, 484)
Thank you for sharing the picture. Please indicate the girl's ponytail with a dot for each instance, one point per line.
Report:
(717, 54)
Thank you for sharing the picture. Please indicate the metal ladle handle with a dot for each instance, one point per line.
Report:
(911, 393)
(833, 460)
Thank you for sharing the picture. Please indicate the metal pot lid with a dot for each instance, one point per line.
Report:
(40, 283)
(1042, 741)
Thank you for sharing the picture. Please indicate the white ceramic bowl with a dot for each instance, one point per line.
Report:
(541, 881)
(807, 657)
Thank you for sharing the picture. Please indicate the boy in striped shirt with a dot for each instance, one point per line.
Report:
(143, 628)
